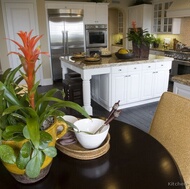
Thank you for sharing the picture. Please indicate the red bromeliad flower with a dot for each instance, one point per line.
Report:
(29, 56)
(134, 26)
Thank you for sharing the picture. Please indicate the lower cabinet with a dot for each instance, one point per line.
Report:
(155, 79)
(131, 84)
(126, 86)
(181, 89)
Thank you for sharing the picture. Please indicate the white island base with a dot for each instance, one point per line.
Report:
(133, 82)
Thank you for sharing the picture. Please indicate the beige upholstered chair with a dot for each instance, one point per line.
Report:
(171, 127)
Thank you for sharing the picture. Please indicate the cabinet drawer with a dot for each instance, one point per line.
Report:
(134, 68)
(119, 69)
(162, 65)
(150, 66)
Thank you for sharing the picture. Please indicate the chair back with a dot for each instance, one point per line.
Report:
(171, 127)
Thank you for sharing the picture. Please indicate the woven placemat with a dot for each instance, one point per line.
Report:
(77, 151)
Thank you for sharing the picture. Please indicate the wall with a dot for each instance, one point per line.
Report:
(3, 50)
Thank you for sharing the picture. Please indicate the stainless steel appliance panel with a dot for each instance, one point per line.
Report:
(96, 35)
(66, 38)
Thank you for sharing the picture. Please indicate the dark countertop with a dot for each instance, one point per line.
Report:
(135, 160)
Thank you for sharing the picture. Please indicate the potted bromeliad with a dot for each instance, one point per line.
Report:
(141, 40)
(26, 149)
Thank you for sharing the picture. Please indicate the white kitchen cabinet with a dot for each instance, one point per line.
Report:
(19, 15)
(142, 14)
(126, 84)
(181, 89)
(63, 5)
(162, 24)
(155, 79)
(96, 13)
(132, 84)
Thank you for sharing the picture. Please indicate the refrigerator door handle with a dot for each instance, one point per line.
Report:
(67, 45)
(63, 41)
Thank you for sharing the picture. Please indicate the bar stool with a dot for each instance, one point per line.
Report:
(73, 92)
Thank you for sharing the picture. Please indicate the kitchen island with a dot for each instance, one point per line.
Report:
(132, 81)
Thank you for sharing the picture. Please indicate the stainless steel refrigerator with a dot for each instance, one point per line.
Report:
(66, 31)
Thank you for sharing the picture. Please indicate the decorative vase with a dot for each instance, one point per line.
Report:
(19, 174)
(141, 51)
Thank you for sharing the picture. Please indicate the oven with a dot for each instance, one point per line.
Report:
(96, 35)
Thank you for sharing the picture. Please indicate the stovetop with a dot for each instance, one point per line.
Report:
(178, 55)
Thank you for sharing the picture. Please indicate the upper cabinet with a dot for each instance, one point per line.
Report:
(162, 24)
(142, 14)
(96, 13)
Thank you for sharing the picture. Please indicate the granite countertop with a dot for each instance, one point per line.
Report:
(183, 79)
(111, 61)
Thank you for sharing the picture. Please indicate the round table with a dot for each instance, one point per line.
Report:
(135, 160)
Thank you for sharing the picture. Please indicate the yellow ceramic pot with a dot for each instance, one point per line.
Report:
(18, 173)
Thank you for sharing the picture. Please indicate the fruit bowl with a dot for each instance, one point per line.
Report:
(124, 56)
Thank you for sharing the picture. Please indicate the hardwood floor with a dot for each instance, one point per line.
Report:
(139, 116)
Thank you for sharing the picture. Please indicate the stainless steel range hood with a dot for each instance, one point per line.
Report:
(179, 9)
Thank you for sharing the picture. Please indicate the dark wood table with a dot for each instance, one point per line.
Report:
(135, 160)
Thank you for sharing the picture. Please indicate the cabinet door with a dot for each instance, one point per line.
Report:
(147, 84)
(19, 16)
(95, 13)
(101, 13)
(162, 24)
(132, 87)
(89, 13)
(161, 78)
(118, 90)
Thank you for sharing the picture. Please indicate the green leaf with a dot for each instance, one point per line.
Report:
(26, 133)
(12, 109)
(25, 151)
(50, 151)
(21, 162)
(7, 154)
(9, 96)
(33, 166)
(33, 129)
(13, 132)
(45, 139)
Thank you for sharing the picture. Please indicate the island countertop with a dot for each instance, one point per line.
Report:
(111, 61)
